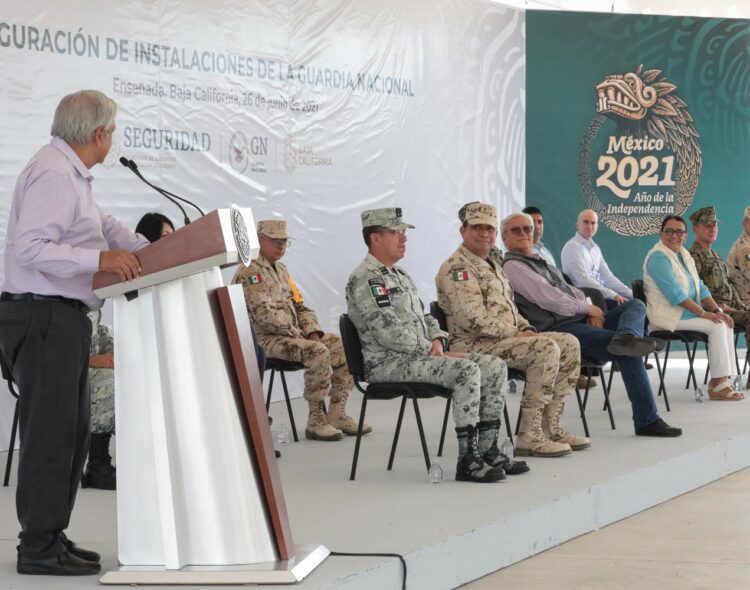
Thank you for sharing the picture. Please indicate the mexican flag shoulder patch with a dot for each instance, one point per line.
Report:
(460, 275)
(255, 279)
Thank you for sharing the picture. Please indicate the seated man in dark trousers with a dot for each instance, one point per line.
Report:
(549, 303)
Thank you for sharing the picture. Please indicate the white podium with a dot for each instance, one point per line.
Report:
(199, 497)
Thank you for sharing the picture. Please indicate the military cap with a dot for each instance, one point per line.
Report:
(273, 228)
(747, 213)
(462, 211)
(481, 214)
(389, 217)
(704, 216)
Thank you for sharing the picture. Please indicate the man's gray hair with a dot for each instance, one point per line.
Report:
(511, 217)
(79, 114)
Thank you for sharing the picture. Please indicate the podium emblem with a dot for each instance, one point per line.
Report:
(239, 229)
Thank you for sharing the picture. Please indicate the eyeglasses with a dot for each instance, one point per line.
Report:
(397, 232)
(674, 232)
(517, 231)
(278, 241)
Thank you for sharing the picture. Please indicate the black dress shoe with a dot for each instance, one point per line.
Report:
(630, 345)
(658, 428)
(65, 564)
(81, 553)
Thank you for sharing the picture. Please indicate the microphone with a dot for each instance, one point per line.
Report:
(130, 165)
(134, 167)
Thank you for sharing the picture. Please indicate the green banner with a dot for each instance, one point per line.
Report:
(636, 117)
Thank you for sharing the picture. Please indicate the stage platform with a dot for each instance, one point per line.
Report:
(453, 533)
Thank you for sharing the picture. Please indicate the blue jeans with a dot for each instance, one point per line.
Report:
(627, 318)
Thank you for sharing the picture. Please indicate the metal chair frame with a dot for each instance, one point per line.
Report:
(281, 366)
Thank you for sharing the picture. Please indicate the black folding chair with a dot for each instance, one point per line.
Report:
(281, 366)
(385, 391)
(8, 376)
(513, 375)
(689, 338)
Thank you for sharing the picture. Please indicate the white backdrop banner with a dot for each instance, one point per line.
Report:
(310, 111)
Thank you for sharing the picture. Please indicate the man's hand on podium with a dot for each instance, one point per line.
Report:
(125, 264)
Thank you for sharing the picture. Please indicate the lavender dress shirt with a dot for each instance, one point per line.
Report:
(56, 230)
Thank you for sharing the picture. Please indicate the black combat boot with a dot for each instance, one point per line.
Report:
(491, 454)
(99, 473)
(470, 466)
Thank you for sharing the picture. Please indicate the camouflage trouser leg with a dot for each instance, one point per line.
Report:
(341, 380)
(313, 355)
(742, 318)
(102, 386)
(478, 382)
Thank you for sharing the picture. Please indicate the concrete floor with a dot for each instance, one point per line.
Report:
(698, 541)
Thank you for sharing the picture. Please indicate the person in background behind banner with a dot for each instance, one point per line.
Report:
(154, 226)
(678, 300)
(289, 330)
(738, 261)
(714, 272)
(539, 247)
(57, 238)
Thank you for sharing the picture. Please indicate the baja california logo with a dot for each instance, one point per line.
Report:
(649, 165)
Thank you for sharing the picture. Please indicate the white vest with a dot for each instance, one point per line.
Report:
(661, 313)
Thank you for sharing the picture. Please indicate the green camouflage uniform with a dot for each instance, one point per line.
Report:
(397, 337)
(482, 317)
(282, 323)
(101, 381)
(738, 262)
(714, 273)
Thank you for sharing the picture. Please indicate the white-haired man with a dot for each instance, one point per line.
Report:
(57, 238)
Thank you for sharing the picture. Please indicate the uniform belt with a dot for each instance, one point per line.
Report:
(79, 305)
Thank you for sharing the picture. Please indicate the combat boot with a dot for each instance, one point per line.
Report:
(318, 427)
(554, 432)
(531, 440)
(338, 418)
(491, 454)
(470, 466)
(99, 473)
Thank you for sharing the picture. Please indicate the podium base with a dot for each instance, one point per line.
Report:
(291, 571)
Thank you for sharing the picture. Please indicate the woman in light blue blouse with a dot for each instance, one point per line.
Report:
(678, 300)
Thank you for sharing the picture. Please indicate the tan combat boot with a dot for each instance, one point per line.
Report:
(318, 427)
(553, 431)
(531, 440)
(338, 418)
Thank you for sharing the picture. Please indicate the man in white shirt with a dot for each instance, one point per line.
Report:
(583, 262)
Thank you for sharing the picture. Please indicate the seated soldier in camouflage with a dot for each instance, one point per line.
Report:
(402, 343)
(100, 473)
(482, 317)
(738, 261)
(289, 330)
(714, 272)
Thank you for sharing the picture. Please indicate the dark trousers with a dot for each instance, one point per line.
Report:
(46, 344)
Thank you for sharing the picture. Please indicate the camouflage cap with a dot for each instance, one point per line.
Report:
(747, 213)
(481, 214)
(462, 211)
(389, 217)
(704, 216)
(273, 228)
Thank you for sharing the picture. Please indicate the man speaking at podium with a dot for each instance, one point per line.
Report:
(57, 238)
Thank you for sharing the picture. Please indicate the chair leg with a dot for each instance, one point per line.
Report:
(13, 431)
(736, 356)
(609, 384)
(691, 368)
(270, 389)
(518, 420)
(421, 434)
(445, 426)
(661, 369)
(359, 438)
(397, 433)
(583, 413)
(506, 417)
(289, 406)
(608, 405)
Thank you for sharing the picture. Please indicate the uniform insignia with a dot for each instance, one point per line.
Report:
(460, 275)
(255, 279)
(379, 293)
(296, 295)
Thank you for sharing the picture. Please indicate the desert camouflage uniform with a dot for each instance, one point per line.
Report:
(101, 381)
(482, 317)
(714, 273)
(738, 262)
(283, 322)
(397, 336)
